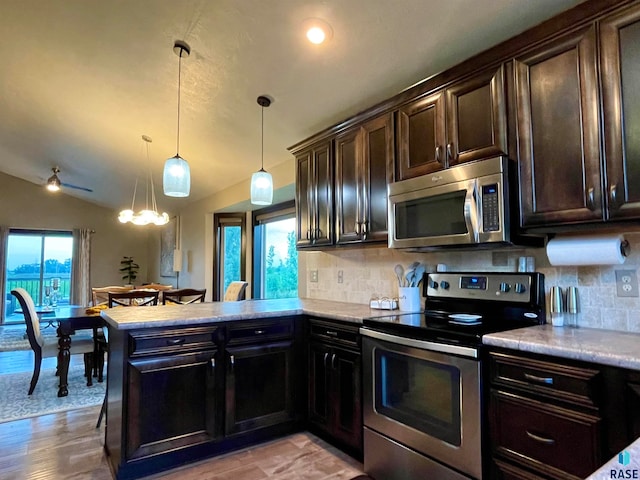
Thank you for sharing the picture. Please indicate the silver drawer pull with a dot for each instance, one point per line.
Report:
(259, 332)
(539, 439)
(535, 378)
(175, 341)
(331, 333)
(213, 363)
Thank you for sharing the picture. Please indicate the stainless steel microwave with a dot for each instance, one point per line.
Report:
(459, 206)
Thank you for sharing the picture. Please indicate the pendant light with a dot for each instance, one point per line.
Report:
(147, 215)
(261, 181)
(176, 178)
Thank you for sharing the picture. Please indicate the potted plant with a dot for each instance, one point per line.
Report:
(129, 269)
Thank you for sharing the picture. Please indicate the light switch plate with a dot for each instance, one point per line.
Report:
(314, 276)
(626, 283)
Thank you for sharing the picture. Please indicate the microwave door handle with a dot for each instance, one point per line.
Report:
(471, 212)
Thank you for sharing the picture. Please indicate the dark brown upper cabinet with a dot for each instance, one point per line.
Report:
(314, 195)
(364, 167)
(620, 77)
(558, 132)
(463, 123)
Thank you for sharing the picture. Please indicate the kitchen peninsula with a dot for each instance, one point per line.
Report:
(186, 382)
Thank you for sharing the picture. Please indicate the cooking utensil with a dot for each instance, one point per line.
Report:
(399, 269)
(408, 274)
(418, 273)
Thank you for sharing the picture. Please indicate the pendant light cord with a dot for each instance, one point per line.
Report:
(262, 142)
(179, 87)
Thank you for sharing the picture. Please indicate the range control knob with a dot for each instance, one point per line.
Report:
(505, 287)
(444, 284)
(519, 288)
(433, 284)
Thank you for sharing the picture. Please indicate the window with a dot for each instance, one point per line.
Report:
(275, 259)
(40, 262)
(230, 240)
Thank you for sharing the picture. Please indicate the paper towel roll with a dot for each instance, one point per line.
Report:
(587, 250)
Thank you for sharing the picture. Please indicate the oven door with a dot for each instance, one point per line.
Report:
(425, 396)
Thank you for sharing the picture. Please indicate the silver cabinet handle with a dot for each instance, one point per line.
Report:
(259, 332)
(539, 439)
(591, 203)
(535, 378)
(357, 228)
(324, 360)
(232, 360)
(365, 227)
(175, 341)
(331, 333)
(450, 151)
(333, 361)
(438, 154)
(613, 195)
(213, 363)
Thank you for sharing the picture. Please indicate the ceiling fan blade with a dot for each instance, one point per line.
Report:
(68, 185)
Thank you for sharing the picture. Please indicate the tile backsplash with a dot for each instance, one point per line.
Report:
(369, 271)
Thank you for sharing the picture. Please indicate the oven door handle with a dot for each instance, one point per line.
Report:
(468, 352)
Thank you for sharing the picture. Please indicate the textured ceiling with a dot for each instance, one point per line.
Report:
(82, 80)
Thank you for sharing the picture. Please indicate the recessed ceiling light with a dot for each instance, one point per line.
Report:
(317, 31)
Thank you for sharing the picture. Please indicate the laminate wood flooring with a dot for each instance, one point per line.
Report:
(68, 446)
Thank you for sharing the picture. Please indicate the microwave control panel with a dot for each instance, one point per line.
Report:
(490, 208)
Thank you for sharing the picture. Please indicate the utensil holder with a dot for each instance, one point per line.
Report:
(409, 299)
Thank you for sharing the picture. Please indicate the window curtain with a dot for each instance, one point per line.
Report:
(81, 271)
(4, 236)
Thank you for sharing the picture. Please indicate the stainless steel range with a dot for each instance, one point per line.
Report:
(423, 373)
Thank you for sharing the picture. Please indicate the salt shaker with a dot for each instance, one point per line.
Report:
(557, 306)
(572, 306)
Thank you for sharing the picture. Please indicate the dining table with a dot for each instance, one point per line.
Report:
(70, 319)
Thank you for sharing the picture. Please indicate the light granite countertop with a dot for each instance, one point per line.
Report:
(604, 472)
(606, 347)
(176, 315)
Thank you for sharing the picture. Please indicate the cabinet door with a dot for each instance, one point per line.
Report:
(304, 198)
(476, 118)
(346, 397)
(620, 66)
(558, 132)
(322, 230)
(186, 384)
(259, 387)
(421, 137)
(348, 192)
(377, 162)
(319, 355)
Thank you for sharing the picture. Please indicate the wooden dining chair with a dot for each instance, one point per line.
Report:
(100, 295)
(235, 291)
(183, 296)
(133, 298)
(156, 286)
(41, 349)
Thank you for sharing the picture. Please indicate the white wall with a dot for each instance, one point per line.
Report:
(26, 205)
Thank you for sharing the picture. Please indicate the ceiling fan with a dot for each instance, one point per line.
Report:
(54, 183)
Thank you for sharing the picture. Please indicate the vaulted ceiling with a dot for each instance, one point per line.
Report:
(82, 80)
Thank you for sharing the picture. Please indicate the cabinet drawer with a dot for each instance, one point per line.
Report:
(578, 385)
(346, 335)
(561, 443)
(258, 331)
(173, 340)
(505, 471)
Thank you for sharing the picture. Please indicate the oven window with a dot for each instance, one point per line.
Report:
(419, 393)
(432, 216)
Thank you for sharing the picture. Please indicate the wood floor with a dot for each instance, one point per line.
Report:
(68, 446)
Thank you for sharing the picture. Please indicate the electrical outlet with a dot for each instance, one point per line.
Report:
(314, 276)
(626, 283)
(340, 276)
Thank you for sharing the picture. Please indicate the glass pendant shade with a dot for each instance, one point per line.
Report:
(261, 188)
(176, 178)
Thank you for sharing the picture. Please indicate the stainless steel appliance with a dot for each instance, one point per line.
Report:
(463, 205)
(424, 407)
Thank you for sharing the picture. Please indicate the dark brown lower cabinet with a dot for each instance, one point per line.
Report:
(259, 387)
(553, 418)
(177, 395)
(335, 384)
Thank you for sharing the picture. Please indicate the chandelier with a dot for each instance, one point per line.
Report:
(148, 215)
